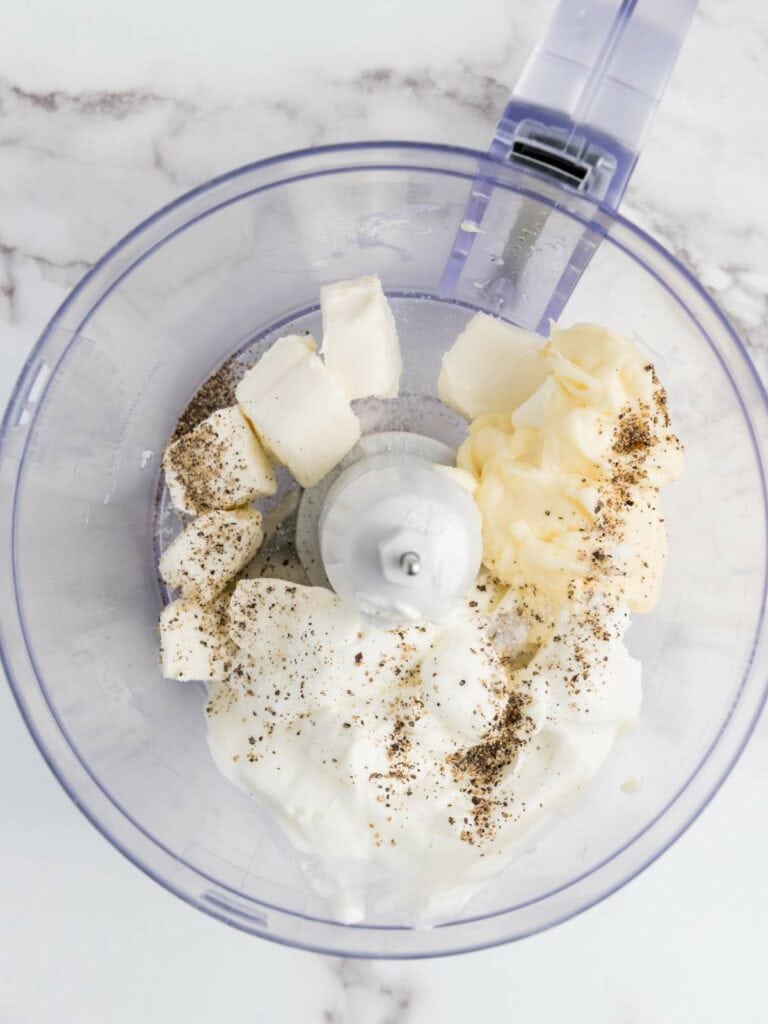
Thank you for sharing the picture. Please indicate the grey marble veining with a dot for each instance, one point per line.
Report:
(79, 169)
(365, 994)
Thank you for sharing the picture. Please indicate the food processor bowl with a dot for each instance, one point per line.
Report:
(221, 273)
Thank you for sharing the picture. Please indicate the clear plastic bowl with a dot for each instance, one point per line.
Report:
(221, 271)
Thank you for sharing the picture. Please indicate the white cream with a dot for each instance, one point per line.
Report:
(346, 734)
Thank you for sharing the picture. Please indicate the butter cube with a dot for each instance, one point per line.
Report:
(492, 367)
(218, 465)
(278, 360)
(360, 343)
(210, 551)
(194, 640)
(305, 421)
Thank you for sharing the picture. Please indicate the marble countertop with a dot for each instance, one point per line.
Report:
(108, 111)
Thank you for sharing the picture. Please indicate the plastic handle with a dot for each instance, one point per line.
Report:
(598, 71)
(578, 116)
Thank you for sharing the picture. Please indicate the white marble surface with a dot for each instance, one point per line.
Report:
(108, 111)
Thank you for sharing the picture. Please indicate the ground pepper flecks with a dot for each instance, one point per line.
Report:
(217, 392)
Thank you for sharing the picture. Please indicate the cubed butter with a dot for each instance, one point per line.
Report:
(210, 551)
(492, 367)
(305, 421)
(360, 343)
(194, 640)
(278, 360)
(218, 465)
